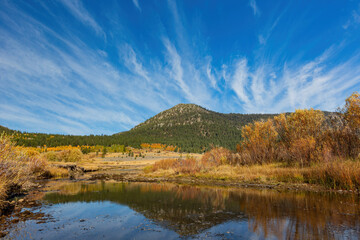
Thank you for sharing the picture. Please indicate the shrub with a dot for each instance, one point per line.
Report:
(188, 165)
(13, 167)
(73, 155)
(37, 165)
(164, 164)
(31, 152)
(216, 157)
(52, 156)
(258, 144)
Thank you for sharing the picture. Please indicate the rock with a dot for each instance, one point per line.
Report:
(82, 220)
(21, 200)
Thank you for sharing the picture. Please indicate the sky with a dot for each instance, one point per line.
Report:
(101, 67)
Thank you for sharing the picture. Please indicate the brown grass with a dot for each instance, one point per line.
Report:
(338, 174)
(57, 172)
(14, 171)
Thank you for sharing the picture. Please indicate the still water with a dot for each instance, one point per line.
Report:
(104, 210)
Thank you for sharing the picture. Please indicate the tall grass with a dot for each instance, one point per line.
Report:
(18, 167)
(14, 170)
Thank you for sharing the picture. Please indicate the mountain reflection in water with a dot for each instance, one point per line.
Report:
(192, 211)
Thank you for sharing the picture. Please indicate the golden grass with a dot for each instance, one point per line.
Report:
(57, 172)
(339, 174)
(14, 170)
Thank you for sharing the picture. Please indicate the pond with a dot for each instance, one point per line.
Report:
(113, 210)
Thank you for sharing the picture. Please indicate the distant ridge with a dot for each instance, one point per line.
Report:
(190, 127)
(194, 127)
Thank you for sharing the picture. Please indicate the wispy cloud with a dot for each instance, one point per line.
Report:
(263, 38)
(254, 7)
(77, 9)
(136, 3)
(132, 63)
(354, 19)
(57, 80)
(264, 89)
(240, 80)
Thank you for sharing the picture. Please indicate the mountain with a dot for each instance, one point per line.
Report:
(190, 127)
(193, 127)
(6, 130)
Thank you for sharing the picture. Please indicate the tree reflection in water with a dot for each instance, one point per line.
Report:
(189, 210)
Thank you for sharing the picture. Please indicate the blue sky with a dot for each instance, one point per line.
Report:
(101, 67)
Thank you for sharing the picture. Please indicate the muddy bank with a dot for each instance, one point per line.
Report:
(133, 177)
(16, 208)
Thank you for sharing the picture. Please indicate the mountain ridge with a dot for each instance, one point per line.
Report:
(190, 127)
(194, 127)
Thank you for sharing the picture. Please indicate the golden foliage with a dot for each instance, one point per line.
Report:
(158, 146)
(352, 111)
(216, 157)
(13, 167)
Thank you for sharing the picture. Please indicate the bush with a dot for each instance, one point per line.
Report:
(13, 167)
(165, 164)
(73, 155)
(259, 142)
(303, 137)
(187, 165)
(52, 156)
(37, 165)
(216, 157)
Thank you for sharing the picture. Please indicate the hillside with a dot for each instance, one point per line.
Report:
(6, 130)
(193, 128)
(188, 126)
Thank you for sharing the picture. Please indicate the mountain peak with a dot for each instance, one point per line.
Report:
(187, 107)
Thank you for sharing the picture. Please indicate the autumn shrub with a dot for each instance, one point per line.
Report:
(303, 137)
(164, 164)
(258, 143)
(37, 165)
(72, 155)
(216, 157)
(52, 156)
(31, 152)
(188, 165)
(14, 171)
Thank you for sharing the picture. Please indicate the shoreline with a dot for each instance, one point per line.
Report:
(32, 197)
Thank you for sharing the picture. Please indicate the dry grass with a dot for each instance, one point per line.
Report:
(339, 174)
(71, 155)
(14, 171)
(336, 174)
(57, 172)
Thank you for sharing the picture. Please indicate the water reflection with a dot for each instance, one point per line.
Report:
(191, 211)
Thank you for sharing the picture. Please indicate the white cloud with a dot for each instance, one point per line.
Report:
(240, 80)
(176, 72)
(136, 3)
(312, 84)
(354, 19)
(78, 11)
(254, 7)
(132, 63)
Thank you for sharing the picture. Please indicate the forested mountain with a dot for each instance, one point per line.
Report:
(6, 130)
(193, 128)
(188, 126)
